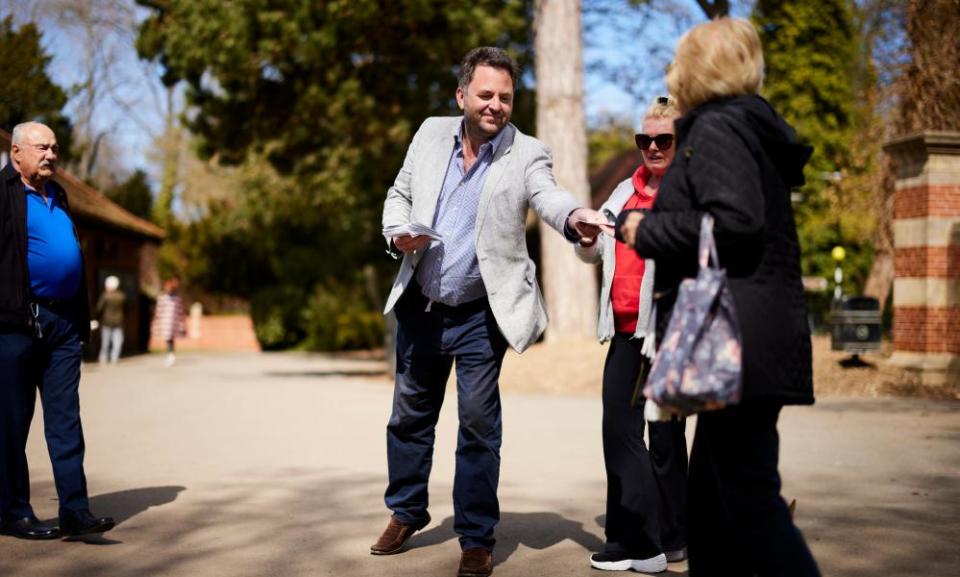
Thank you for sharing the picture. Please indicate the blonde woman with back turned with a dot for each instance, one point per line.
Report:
(736, 160)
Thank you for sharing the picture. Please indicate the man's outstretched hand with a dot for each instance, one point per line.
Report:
(586, 222)
(406, 243)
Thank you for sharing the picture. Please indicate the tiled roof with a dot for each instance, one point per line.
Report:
(91, 205)
(607, 177)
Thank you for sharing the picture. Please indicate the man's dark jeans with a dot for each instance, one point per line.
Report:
(50, 364)
(428, 342)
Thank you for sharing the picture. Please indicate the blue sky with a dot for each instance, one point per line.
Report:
(624, 53)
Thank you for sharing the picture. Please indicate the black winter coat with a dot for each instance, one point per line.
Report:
(15, 293)
(738, 159)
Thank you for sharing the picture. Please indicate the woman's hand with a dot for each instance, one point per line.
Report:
(627, 227)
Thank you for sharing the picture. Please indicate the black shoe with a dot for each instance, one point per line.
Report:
(30, 528)
(83, 523)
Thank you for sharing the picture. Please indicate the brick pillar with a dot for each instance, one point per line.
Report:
(926, 228)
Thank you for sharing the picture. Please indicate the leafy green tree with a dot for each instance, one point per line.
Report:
(315, 104)
(133, 194)
(29, 93)
(610, 138)
(814, 76)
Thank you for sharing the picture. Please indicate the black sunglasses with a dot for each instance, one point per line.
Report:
(664, 141)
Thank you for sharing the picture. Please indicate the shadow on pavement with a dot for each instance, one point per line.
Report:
(858, 530)
(329, 373)
(535, 530)
(122, 505)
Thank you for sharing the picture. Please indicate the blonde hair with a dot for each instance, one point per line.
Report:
(715, 60)
(663, 107)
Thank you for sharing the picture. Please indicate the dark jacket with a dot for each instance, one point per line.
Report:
(738, 159)
(110, 308)
(15, 293)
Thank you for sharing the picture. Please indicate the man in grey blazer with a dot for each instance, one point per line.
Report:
(467, 297)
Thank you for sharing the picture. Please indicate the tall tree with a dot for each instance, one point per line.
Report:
(882, 31)
(133, 194)
(917, 43)
(29, 92)
(571, 291)
(317, 103)
(715, 8)
(930, 88)
(109, 89)
(812, 59)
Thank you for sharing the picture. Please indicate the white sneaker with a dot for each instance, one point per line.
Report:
(619, 562)
(656, 564)
(169, 360)
(611, 561)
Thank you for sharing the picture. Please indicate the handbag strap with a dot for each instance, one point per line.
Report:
(708, 246)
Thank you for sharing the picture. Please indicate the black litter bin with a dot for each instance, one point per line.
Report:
(855, 323)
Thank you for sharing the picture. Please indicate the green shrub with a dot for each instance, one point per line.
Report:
(276, 313)
(331, 317)
(340, 318)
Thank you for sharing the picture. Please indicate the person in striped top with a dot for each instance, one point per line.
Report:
(168, 319)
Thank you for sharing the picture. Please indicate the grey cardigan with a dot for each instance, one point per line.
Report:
(604, 251)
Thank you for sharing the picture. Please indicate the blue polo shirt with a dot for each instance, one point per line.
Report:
(53, 253)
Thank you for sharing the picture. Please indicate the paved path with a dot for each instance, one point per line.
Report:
(273, 464)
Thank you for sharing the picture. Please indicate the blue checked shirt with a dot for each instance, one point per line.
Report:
(449, 272)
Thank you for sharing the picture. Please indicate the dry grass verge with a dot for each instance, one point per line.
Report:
(576, 368)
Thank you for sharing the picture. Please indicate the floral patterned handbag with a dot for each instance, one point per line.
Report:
(698, 366)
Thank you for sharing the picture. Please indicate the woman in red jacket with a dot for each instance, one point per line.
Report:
(646, 491)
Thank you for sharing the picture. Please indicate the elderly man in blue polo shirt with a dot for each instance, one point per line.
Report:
(44, 318)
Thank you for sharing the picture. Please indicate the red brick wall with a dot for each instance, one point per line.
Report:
(923, 201)
(217, 333)
(932, 330)
(928, 261)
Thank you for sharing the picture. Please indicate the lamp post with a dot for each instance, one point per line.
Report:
(838, 253)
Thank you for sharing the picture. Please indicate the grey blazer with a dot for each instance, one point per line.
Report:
(520, 178)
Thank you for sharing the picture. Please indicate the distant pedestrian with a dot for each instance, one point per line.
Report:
(736, 161)
(110, 311)
(169, 321)
(44, 320)
(646, 491)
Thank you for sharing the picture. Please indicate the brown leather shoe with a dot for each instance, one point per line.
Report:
(475, 563)
(395, 536)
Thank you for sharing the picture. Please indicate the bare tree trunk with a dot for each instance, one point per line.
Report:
(570, 287)
(170, 150)
(928, 99)
(880, 280)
